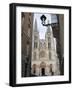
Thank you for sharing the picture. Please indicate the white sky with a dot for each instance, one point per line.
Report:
(42, 29)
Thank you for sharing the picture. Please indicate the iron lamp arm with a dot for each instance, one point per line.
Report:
(50, 24)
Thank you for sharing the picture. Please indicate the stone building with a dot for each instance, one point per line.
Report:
(26, 42)
(45, 61)
(58, 32)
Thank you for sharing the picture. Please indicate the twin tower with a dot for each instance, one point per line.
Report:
(45, 61)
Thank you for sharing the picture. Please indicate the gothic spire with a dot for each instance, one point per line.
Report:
(35, 25)
(48, 28)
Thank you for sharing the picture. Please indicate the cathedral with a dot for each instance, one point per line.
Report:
(45, 61)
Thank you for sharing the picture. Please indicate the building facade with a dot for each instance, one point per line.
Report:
(58, 32)
(26, 43)
(45, 61)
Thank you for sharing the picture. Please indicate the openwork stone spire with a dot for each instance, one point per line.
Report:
(35, 25)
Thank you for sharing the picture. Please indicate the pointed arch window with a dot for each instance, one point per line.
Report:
(35, 38)
(50, 55)
(34, 55)
(49, 45)
(35, 44)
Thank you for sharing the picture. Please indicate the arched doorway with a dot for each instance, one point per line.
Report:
(43, 71)
(34, 69)
(42, 66)
(51, 69)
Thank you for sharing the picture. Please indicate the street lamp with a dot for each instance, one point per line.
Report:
(43, 18)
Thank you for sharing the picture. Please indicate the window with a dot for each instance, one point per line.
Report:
(34, 55)
(49, 55)
(42, 54)
(49, 45)
(35, 37)
(49, 39)
(35, 44)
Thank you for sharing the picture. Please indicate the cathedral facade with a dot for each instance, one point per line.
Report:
(44, 60)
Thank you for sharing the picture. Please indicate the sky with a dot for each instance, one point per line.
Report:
(42, 29)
